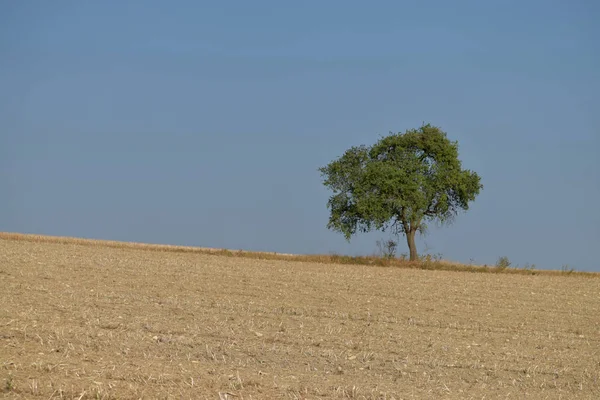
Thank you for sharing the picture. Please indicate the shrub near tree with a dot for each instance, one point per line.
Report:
(400, 183)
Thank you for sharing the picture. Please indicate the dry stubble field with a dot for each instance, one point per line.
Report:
(87, 322)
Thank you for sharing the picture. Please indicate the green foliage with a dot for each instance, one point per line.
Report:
(529, 267)
(503, 263)
(430, 262)
(431, 257)
(8, 384)
(387, 248)
(566, 269)
(400, 183)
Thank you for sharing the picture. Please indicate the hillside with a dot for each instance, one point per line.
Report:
(83, 321)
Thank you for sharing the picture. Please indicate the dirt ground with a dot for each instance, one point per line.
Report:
(92, 322)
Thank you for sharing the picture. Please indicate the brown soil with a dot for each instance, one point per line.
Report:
(87, 322)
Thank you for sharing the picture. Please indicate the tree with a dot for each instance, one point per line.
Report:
(400, 183)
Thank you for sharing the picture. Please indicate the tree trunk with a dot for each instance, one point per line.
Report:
(412, 247)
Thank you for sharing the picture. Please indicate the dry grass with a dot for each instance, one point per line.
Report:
(107, 320)
(426, 263)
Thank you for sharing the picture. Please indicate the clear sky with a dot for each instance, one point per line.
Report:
(203, 123)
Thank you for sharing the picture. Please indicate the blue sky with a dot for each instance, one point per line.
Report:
(204, 123)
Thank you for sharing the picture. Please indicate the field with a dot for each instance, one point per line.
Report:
(95, 321)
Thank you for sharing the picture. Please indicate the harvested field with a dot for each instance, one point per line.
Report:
(99, 322)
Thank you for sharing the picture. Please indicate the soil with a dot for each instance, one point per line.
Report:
(95, 322)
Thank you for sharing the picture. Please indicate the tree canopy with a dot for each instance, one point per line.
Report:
(400, 183)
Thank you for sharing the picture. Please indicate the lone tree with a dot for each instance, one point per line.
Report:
(400, 183)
